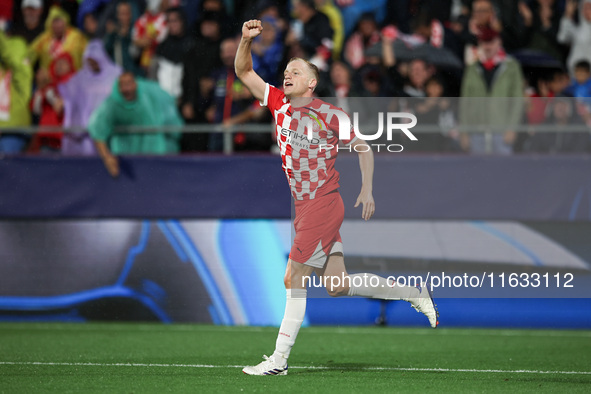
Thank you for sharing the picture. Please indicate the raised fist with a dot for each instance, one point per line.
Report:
(251, 29)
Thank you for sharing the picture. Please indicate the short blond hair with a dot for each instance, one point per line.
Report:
(311, 66)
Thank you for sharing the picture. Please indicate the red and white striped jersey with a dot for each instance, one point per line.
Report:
(308, 163)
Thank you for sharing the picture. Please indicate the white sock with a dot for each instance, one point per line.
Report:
(374, 286)
(295, 309)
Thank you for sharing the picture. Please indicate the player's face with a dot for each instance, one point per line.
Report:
(296, 79)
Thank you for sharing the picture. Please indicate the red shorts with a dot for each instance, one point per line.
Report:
(317, 224)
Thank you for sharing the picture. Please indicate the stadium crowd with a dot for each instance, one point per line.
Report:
(92, 65)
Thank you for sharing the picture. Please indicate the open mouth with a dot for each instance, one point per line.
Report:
(288, 84)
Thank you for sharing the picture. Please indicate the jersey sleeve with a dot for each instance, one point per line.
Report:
(273, 98)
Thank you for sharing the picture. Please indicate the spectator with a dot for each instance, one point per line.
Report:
(6, 8)
(83, 93)
(401, 12)
(341, 83)
(341, 86)
(560, 114)
(502, 15)
(311, 35)
(91, 14)
(230, 97)
(352, 10)
(90, 25)
(267, 51)
(408, 79)
(31, 25)
(218, 7)
(430, 30)
(105, 12)
(578, 36)
(538, 100)
(335, 19)
(541, 20)
(495, 75)
(15, 92)
(134, 102)
(581, 84)
(366, 35)
(118, 42)
(419, 72)
(272, 9)
(373, 82)
(558, 82)
(150, 30)
(549, 85)
(581, 89)
(48, 104)
(483, 14)
(172, 52)
(58, 37)
(196, 79)
(435, 110)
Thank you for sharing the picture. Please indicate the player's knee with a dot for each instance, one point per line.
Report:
(337, 291)
(287, 281)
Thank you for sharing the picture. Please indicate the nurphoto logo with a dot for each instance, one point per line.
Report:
(388, 124)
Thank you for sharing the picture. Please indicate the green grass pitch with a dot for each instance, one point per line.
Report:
(155, 358)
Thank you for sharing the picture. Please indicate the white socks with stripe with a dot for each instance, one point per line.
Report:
(295, 310)
(374, 286)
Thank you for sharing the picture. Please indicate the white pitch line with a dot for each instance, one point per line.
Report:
(40, 363)
(452, 331)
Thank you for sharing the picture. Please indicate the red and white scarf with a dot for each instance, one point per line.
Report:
(437, 34)
(494, 61)
(412, 40)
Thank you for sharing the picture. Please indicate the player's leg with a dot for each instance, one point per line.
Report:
(340, 283)
(334, 275)
(296, 282)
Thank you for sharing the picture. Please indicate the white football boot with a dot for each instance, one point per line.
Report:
(267, 367)
(425, 305)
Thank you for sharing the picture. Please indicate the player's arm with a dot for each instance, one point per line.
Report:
(366, 165)
(243, 61)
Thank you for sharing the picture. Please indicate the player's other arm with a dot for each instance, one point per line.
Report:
(243, 61)
(366, 165)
